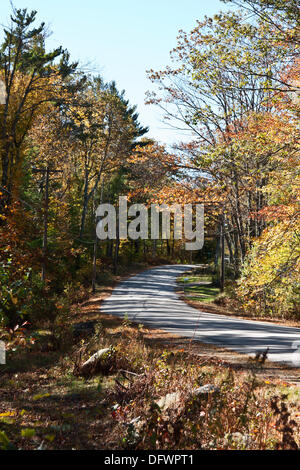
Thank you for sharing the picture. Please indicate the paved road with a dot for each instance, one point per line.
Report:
(149, 298)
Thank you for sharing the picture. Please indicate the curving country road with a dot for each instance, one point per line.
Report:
(149, 298)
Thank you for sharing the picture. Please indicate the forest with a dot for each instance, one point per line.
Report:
(70, 141)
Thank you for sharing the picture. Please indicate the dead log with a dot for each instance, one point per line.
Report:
(101, 361)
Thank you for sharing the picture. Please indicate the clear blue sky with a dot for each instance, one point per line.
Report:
(121, 39)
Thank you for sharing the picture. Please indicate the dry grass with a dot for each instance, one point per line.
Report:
(42, 403)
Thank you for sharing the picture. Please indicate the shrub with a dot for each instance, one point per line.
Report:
(15, 294)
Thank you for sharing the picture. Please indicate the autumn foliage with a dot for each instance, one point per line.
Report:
(70, 141)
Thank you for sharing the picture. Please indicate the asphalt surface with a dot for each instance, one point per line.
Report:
(149, 298)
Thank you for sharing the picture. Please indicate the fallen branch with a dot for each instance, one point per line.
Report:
(98, 362)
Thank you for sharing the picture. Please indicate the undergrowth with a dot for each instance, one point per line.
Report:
(119, 408)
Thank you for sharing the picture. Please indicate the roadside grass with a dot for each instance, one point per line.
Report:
(199, 278)
(199, 288)
(202, 293)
